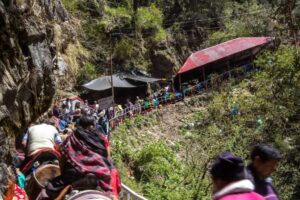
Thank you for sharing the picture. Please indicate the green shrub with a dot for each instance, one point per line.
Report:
(149, 18)
(86, 73)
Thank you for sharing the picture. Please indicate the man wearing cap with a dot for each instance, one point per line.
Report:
(264, 161)
(229, 179)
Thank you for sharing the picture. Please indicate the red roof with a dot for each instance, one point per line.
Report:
(223, 50)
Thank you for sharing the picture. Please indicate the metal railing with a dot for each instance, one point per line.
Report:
(129, 194)
(199, 88)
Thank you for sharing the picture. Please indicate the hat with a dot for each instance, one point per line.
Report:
(120, 107)
(101, 114)
(228, 167)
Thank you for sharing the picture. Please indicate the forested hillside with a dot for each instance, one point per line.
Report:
(157, 36)
(166, 154)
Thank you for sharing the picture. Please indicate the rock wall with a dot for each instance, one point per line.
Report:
(30, 45)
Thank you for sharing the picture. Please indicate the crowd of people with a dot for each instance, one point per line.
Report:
(111, 116)
(80, 150)
(86, 162)
(77, 134)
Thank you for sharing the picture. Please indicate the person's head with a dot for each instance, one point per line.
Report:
(87, 122)
(50, 114)
(227, 168)
(67, 131)
(265, 160)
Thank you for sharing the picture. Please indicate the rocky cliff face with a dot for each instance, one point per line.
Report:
(152, 35)
(33, 34)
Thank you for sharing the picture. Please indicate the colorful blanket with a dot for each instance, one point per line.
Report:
(86, 151)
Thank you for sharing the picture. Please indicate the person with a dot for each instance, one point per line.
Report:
(129, 107)
(146, 104)
(9, 188)
(155, 102)
(85, 154)
(229, 178)
(39, 137)
(59, 124)
(64, 134)
(138, 104)
(198, 86)
(96, 106)
(264, 161)
(55, 110)
(103, 122)
(67, 108)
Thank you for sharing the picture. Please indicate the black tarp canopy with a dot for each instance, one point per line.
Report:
(144, 79)
(120, 80)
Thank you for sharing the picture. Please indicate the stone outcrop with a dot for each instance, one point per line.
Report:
(32, 35)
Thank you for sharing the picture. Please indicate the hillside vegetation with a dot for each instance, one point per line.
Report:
(166, 154)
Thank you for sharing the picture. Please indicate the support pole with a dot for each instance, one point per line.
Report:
(179, 78)
(228, 69)
(111, 74)
(252, 61)
(112, 82)
(203, 73)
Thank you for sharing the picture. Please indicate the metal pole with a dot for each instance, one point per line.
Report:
(112, 82)
(179, 78)
(111, 74)
(203, 73)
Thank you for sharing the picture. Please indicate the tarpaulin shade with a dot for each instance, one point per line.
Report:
(104, 83)
(223, 50)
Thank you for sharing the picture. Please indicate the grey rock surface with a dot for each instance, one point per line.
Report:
(27, 64)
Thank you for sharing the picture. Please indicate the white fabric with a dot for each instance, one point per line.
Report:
(236, 187)
(74, 102)
(39, 137)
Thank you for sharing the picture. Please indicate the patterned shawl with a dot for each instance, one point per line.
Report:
(86, 151)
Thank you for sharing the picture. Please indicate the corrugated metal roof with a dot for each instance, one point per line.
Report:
(223, 50)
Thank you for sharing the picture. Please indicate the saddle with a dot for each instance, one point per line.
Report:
(39, 178)
(45, 173)
(44, 156)
(82, 189)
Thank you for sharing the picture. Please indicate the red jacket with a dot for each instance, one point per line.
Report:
(242, 196)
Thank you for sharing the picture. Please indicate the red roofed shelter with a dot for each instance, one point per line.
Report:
(221, 58)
